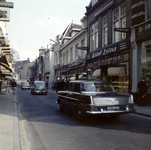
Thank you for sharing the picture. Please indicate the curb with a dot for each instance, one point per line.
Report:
(17, 142)
(142, 114)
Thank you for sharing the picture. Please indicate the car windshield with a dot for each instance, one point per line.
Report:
(40, 85)
(97, 87)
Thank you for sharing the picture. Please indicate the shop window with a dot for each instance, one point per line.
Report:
(105, 31)
(119, 21)
(94, 36)
(119, 77)
(145, 63)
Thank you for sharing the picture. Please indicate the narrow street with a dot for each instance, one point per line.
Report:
(44, 127)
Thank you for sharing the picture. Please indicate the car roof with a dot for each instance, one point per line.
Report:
(39, 82)
(88, 81)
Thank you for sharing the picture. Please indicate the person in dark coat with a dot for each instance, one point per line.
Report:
(142, 92)
(13, 85)
(63, 84)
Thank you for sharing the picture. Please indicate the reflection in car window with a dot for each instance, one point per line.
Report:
(96, 87)
(77, 87)
(71, 86)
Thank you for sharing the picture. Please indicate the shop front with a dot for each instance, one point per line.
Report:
(143, 36)
(111, 63)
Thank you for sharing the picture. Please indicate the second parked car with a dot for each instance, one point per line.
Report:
(25, 85)
(39, 87)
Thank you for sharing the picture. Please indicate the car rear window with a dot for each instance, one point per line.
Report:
(96, 87)
(40, 85)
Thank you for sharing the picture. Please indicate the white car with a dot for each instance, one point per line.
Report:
(25, 85)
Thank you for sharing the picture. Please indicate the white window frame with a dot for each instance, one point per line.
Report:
(94, 36)
(119, 21)
(105, 31)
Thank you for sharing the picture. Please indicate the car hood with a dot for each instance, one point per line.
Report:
(110, 98)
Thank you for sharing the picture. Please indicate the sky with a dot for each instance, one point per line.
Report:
(33, 22)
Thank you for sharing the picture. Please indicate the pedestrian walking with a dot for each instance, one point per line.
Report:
(13, 85)
(4, 85)
(8, 87)
(52, 85)
(142, 92)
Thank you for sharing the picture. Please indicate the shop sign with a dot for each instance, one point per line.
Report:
(104, 8)
(143, 31)
(2, 41)
(6, 14)
(114, 48)
(126, 30)
(6, 4)
(78, 59)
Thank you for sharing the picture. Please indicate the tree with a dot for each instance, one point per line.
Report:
(15, 53)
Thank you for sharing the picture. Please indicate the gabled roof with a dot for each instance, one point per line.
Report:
(66, 32)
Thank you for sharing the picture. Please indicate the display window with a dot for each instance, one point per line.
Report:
(114, 69)
(145, 63)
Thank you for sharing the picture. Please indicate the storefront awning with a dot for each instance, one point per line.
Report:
(3, 60)
(4, 67)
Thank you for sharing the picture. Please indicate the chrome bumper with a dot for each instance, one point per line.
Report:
(109, 112)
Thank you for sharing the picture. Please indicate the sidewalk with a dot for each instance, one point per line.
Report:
(9, 126)
(143, 110)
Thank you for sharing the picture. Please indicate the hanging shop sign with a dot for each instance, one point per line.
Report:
(78, 59)
(143, 31)
(5, 14)
(125, 30)
(114, 48)
(7, 4)
(104, 8)
(2, 41)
